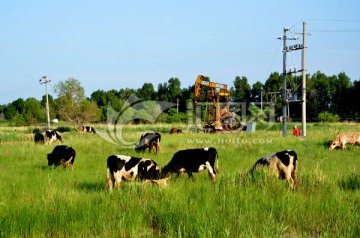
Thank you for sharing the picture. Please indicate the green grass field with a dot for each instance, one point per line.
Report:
(39, 201)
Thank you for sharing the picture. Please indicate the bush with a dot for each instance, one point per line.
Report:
(328, 117)
(63, 129)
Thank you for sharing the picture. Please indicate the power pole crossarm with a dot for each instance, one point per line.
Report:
(45, 80)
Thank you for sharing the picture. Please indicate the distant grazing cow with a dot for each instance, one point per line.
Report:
(122, 167)
(39, 138)
(192, 160)
(345, 138)
(175, 131)
(52, 135)
(88, 129)
(209, 129)
(62, 154)
(149, 140)
(284, 164)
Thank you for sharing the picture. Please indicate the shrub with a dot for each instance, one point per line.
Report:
(328, 117)
(63, 129)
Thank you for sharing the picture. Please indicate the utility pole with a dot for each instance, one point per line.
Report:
(177, 105)
(303, 115)
(45, 80)
(285, 50)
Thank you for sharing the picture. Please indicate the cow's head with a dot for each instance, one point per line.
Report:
(148, 169)
(51, 159)
(162, 183)
(335, 143)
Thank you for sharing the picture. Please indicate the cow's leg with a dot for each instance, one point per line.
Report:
(211, 171)
(117, 178)
(109, 179)
(190, 175)
(293, 176)
(288, 172)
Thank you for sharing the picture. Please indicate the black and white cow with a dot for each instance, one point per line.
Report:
(193, 160)
(88, 129)
(209, 129)
(149, 140)
(39, 138)
(52, 135)
(128, 168)
(284, 164)
(62, 154)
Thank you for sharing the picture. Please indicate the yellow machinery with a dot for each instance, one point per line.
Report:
(213, 92)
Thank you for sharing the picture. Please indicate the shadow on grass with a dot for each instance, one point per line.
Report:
(351, 182)
(43, 167)
(91, 186)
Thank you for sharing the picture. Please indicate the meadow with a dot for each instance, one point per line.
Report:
(39, 201)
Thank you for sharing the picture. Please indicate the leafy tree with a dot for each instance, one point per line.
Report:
(163, 92)
(33, 111)
(19, 105)
(71, 89)
(72, 105)
(18, 120)
(341, 104)
(99, 97)
(126, 93)
(9, 111)
(146, 92)
(255, 92)
(51, 105)
(174, 89)
(241, 89)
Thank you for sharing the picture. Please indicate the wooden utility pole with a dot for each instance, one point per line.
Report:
(45, 81)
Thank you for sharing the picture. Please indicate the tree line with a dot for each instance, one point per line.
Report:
(334, 95)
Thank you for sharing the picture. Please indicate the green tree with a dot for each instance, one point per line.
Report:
(146, 92)
(71, 104)
(99, 97)
(241, 89)
(33, 111)
(255, 92)
(19, 105)
(9, 111)
(71, 89)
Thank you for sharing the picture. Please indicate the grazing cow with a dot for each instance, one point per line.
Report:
(88, 129)
(345, 138)
(209, 129)
(175, 131)
(150, 140)
(122, 167)
(39, 138)
(52, 135)
(192, 160)
(62, 154)
(284, 164)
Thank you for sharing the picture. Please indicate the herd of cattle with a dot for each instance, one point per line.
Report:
(128, 168)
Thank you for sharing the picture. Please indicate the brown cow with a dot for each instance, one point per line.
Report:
(345, 138)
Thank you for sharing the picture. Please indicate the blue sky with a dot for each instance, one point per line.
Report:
(124, 44)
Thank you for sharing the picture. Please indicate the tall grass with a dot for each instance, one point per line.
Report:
(39, 201)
